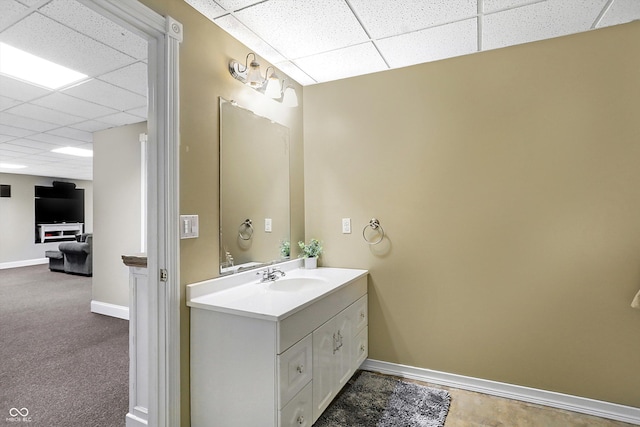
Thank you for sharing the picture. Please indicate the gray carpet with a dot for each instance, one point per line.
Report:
(65, 365)
(373, 400)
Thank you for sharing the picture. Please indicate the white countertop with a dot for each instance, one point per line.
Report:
(260, 300)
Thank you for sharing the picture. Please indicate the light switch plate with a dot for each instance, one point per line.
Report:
(188, 226)
(267, 225)
(346, 225)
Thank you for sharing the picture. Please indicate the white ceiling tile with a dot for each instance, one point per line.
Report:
(106, 94)
(6, 138)
(247, 37)
(55, 139)
(91, 126)
(14, 131)
(539, 21)
(121, 119)
(10, 11)
(303, 28)
(10, 146)
(140, 112)
(7, 102)
(75, 15)
(132, 77)
(37, 112)
(436, 43)
(490, 6)
(37, 145)
(386, 18)
(208, 8)
(7, 154)
(233, 5)
(19, 90)
(55, 42)
(25, 123)
(75, 106)
(354, 60)
(291, 70)
(621, 12)
(72, 134)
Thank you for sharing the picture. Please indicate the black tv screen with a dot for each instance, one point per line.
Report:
(56, 205)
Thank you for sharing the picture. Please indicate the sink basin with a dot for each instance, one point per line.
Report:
(295, 284)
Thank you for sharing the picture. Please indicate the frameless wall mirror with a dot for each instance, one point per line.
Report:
(254, 190)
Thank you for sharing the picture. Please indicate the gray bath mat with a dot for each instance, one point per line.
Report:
(373, 400)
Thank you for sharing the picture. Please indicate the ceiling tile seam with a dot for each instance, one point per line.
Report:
(366, 31)
(431, 27)
(507, 9)
(248, 6)
(267, 44)
(603, 12)
(86, 35)
(30, 9)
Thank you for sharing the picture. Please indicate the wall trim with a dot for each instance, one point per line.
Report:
(113, 310)
(24, 263)
(552, 399)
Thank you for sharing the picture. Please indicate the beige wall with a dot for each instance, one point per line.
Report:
(204, 55)
(508, 185)
(117, 177)
(17, 217)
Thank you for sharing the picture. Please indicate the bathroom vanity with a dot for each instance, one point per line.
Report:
(275, 353)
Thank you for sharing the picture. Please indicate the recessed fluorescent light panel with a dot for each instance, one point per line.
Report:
(32, 69)
(11, 166)
(74, 151)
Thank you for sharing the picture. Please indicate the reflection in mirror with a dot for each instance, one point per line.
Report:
(254, 190)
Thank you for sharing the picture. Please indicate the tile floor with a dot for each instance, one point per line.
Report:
(469, 409)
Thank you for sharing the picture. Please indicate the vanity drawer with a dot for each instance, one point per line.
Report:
(359, 315)
(360, 349)
(294, 370)
(298, 412)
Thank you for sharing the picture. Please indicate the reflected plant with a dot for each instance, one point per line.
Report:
(285, 249)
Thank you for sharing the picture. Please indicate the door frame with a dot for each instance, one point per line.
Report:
(164, 35)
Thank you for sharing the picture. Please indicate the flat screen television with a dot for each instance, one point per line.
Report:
(58, 204)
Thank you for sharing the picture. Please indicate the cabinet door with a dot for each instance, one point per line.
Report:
(323, 367)
(342, 358)
(360, 349)
(294, 370)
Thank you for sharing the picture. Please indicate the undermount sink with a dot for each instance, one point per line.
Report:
(295, 284)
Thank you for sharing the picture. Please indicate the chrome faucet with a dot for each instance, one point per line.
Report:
(270, 274)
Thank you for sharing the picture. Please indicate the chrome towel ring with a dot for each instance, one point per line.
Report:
(374, 224)
(245, 231)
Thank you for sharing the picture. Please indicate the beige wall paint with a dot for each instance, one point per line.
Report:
(117, 178)
(17, 217)
(508, 185)
(204, 55)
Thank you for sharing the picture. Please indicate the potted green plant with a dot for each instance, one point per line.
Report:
(310, 252)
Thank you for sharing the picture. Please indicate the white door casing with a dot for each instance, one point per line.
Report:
(164, 35)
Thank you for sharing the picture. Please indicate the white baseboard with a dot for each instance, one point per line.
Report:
(113, 310)
(135, 421)
(567, 402)
(24, 263)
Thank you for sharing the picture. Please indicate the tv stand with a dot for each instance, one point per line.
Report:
(61, 231)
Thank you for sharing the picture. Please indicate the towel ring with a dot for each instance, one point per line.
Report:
(375, 225)
(247, 228)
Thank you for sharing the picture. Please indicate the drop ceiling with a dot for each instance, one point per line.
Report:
(315, 41)
(35, 120)
(312, 41)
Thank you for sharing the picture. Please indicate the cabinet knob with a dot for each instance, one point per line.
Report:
(362, 314)
(362, 348)
(300, 369)
(300, 420)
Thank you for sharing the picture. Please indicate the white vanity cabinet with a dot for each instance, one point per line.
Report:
(253, 370)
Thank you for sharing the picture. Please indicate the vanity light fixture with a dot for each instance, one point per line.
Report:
(271, 84)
